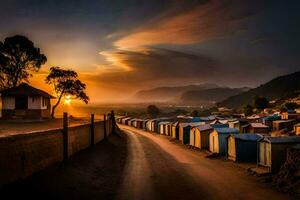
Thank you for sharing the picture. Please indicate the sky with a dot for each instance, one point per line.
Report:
(119, 47)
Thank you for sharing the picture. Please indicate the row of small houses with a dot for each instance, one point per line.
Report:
(223, 137)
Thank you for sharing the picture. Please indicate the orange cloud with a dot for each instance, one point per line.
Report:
(208, 20)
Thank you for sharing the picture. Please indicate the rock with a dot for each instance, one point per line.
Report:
(288, 180)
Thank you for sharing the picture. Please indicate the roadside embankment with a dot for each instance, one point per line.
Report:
(23, 154)
(94, 173)
(288, 178)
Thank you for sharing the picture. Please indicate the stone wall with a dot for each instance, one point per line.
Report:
(99, 131)
(23, 154)
(79, 138)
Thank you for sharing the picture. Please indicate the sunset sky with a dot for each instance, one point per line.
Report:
(121, 46)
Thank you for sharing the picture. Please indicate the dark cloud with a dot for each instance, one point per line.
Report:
(201, 22)
(156, 64)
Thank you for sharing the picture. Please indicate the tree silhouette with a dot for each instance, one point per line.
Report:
(18, 58)
(195, 113)
(261, 103)
(248, 110)
(65, 83)
(291, 106)
(153, 110)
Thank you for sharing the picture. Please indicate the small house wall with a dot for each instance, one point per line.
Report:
(283, 125)
(246, 151)
(35, 103)
(173, 134)
(156, 127)
(259, 130)
(167, 129)
(278, 155)
(214, 142)
(126, 122)
(197, 138)
(134, 123)
(231, 148)
(153, 126)
(201, 138)
(161, 129)
(192, 137)
(234, 125)
(204, 139)
(181, 133)
(186, 135)
(222, 140)
(297, 130)
(144, 125)
(264, 158)
(148, 126)
(170, 129)
(8, 103)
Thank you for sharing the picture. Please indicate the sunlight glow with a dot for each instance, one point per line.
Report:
(67, 100)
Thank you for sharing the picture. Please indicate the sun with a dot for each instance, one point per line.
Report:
(67, 100)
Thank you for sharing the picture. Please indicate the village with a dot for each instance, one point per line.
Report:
(266, 140)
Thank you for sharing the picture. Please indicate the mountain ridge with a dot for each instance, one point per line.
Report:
(169, 93)
(278, 88)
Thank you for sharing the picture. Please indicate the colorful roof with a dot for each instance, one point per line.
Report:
(226, 130)
(204, 127)
(247, 136)
(283, 139)
(272, 117)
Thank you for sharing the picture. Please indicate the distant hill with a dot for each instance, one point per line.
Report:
(211, 95)
(166, 94)
(278, 88)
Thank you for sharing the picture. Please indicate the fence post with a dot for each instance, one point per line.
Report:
(104, 117)
(113, 122)
(65, 136)
(92, 130)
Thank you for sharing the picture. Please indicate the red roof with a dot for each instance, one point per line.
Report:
(25, 89)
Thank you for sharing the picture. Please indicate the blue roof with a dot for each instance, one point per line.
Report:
(204, 127)
(227, 130)
(282, 139)
(272, 117)
(247, 136)
(219, 126)
(196, 119)
(209, 118)
(291, 111)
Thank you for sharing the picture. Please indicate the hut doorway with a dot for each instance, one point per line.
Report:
(21, 102)
(231, 148)
(265, 154)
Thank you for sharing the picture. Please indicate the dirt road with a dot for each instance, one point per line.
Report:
(138, 165)
(158, 169)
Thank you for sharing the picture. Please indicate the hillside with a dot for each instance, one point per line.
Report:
(280, 87)
(211, 95)
(165, 94)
